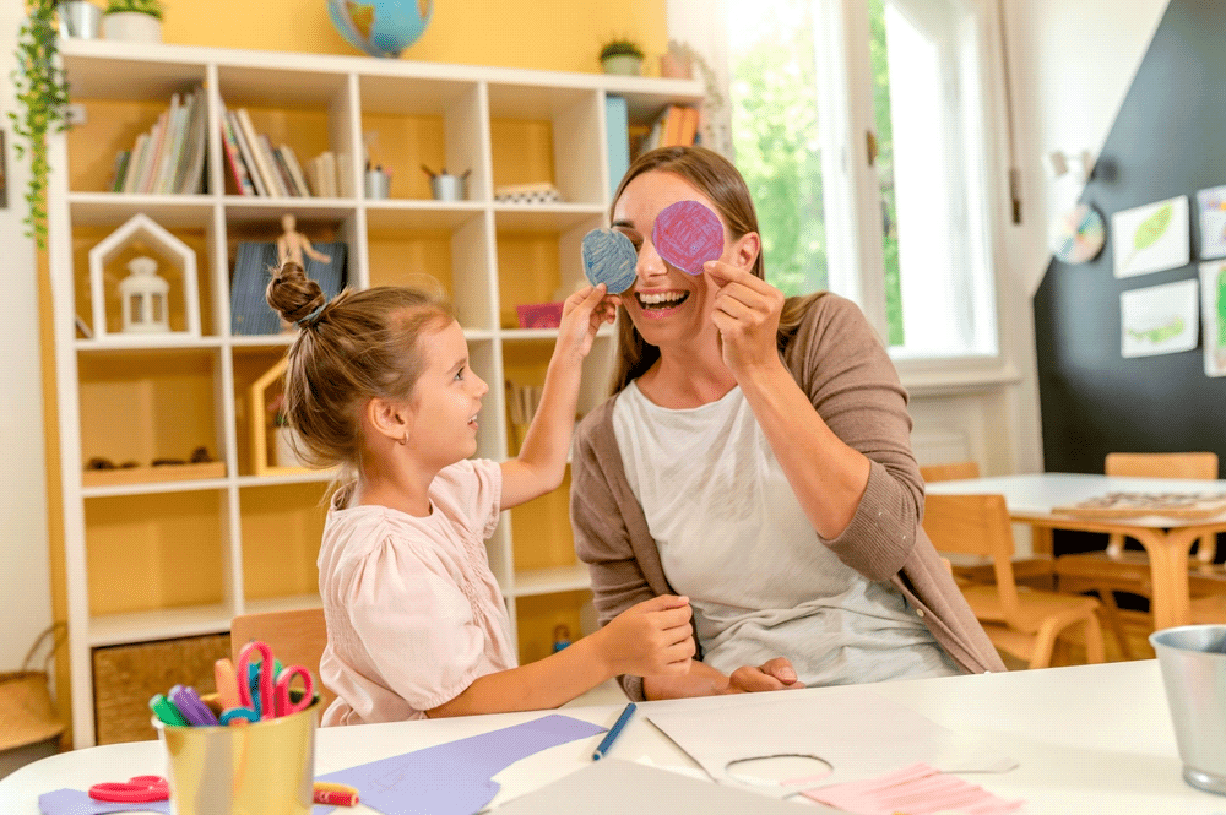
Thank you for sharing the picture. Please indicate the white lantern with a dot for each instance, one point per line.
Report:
(144, 298)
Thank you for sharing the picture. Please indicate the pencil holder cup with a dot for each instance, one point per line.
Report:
(265, 767)
(1193, 663)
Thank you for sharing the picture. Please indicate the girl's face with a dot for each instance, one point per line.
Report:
(446, 400)
(667, 305)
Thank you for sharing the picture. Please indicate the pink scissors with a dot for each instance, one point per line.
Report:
(141, 789)
(272, 695)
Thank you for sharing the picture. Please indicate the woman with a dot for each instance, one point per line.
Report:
(755, 457)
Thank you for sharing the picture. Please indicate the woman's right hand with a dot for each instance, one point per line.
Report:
(774, 674)
(653, 637)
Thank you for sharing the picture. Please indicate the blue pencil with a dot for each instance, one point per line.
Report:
(607, 742)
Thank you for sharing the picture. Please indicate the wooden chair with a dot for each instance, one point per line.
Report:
(296, 637)
(1022, 622)
(1116, 569)
(1035, 571)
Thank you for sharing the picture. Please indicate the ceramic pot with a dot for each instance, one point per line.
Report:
(131, 26)
(80, 19)
(622, 64)
(283, 452)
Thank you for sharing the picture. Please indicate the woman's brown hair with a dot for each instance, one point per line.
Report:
(358, 346)
(715, 177)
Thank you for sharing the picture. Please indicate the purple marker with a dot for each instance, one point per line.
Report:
(687, 234)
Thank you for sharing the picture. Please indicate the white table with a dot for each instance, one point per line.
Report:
(1089, 739)
(1167, 540)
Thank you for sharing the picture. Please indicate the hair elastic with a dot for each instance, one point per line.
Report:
(313, 317)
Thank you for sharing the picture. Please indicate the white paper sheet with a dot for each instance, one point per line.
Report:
(612, 787)
(1151, 238)
(865, 735)
(1159, 319)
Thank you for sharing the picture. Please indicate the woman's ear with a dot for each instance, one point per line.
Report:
(746, 249)
(388, 419)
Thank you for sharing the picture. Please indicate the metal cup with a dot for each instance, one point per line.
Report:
(80, 19)
(1193, 663)
(378, 185)
(447, 187)
(266, 767)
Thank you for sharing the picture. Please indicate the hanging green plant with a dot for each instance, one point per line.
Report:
(42, 100)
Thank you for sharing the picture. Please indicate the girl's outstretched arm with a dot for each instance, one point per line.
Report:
(649, 639)
(541, 463)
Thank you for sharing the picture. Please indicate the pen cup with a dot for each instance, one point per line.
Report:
(265, 767)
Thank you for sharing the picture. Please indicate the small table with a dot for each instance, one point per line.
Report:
(1032, 499)
(1087, 739)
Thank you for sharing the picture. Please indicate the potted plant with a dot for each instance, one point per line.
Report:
(41, 92)
(622, 57)
(133, 20)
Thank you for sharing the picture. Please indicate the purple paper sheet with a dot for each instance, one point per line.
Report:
(78, 802)
(687, 234)
(454, 778)
(609, 258)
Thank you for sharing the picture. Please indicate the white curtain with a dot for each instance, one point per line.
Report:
(700, 25)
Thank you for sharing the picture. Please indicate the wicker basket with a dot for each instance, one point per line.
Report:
(27, 715)
(127, 676)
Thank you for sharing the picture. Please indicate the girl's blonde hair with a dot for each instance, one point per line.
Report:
(716, 178)
(358, 346)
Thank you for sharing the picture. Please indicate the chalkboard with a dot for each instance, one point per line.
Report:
(1168, 139)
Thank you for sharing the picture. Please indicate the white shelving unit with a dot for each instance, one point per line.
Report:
(120, 539)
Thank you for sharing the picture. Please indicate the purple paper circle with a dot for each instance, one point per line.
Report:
(688, 234)
(609, 257)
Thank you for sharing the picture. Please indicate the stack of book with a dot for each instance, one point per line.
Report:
(255, 167)
(170, 158)
(676, 126)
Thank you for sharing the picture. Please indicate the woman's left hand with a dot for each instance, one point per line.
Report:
(746, 311)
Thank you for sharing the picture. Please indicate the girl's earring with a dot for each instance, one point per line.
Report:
(404, 440)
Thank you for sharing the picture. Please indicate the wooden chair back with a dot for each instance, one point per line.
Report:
(977, 525)
(1162, 465)
(931, 473)
(295, 637)
(1198, 465)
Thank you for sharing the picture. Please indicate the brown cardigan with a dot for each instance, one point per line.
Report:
(838, 361)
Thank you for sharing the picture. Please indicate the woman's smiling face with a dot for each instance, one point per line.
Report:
(665, 303)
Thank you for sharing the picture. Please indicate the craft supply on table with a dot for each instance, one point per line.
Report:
(914, 790)
(606, 744)
(610, 258)
(1186, 506)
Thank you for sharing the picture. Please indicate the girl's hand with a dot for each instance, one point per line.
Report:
(582, 315)
(651, 638)
(746, 311)
(774, 674)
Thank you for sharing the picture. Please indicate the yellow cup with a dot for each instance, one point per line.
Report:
(262, 768)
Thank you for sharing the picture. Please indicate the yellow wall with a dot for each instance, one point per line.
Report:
(555, 35)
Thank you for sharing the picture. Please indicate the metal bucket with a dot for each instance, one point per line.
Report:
(80, 19)
(1193, 662)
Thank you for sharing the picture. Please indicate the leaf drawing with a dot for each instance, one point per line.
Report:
(1167, 331)
(1152, 228)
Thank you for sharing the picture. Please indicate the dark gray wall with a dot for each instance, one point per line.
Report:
(1168, 139)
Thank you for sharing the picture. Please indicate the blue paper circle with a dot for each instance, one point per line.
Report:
(609, 258)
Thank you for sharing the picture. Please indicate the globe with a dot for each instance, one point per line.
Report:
(381, 28)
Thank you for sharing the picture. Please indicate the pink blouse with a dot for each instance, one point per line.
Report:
(413, 611)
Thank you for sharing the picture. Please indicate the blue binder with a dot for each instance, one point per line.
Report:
(250, 314)
(617, 124)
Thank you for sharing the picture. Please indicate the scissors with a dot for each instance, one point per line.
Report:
(271, 695)
(141, 789)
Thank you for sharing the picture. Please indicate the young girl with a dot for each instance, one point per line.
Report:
(379, 382)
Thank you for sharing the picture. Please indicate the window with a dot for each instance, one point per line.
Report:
(819, 85)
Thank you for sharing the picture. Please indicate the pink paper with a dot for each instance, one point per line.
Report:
(915, 790)
(687, 234)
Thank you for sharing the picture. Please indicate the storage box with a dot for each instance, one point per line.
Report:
(539, 315)
(126, 677)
